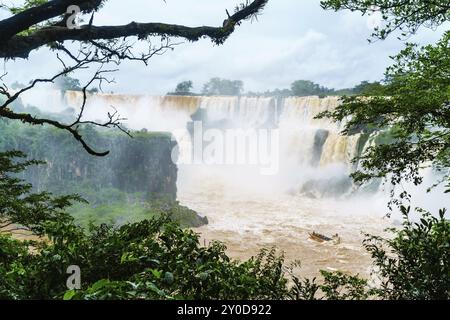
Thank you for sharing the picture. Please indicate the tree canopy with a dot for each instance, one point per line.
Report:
(224, 87)
(403, 16)
(68, 83)
(156, 259)
(308, 88)
(411, 111)
(183, 88)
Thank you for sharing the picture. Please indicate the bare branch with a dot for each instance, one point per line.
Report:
(114, 120)
(18, 46)
(98, 45)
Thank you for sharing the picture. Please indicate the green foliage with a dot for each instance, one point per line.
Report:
(67, 83)
(339, 286)
(224, 87)
(412, 264)
(415, 263)
(117, 208)
(413, 106)
(151, 259)
(303, 289)
(136, 182)
(17, 85)
(184, 88)
(302, 88)
(367, 88)
(25, 5)
(156, 259)
(248, 4)
(334, 286)
(405, 16)
(19, 206)
(139, 165)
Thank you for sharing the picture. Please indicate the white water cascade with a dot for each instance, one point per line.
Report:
(310, 190)
(310, 151)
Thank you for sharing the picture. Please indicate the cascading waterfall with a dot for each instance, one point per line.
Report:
(246, 209)
(312, 150)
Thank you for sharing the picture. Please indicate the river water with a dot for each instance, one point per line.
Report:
(247, 210)
(249, 220)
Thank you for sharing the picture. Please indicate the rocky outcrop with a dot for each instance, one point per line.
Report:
(141, 164)
(137, 180)
(326, 188)
(319, 141)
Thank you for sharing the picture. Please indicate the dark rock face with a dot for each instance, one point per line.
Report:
(319, 140)
(144, 164)
(135, 181)
(141, 164)
(332, 187)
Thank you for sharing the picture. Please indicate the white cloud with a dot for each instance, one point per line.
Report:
(292, 40)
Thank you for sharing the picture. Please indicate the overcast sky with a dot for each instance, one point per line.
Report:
(293, 39)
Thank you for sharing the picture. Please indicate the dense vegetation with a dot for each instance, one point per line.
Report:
(156, 259)
(119, 188)
(29, 25)
(413, 104)
(183, 89)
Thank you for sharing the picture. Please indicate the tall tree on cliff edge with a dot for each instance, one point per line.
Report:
(411, 113)
(52, 24)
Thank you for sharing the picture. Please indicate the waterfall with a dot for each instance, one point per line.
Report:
(49, 101)
(314, 157)
(247, 209)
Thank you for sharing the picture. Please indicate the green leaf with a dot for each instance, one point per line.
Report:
(69, 295)
(100, 284)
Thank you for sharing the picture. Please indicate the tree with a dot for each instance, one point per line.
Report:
(20, 209)
(46, 23)
(412, 109)
(223, 87)
(152, 259)
(184, 88)
(17, 85)
(367, 88)
(156, 259)
(404, 16)
(66, 83)
(415, 263)
(303, 88)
